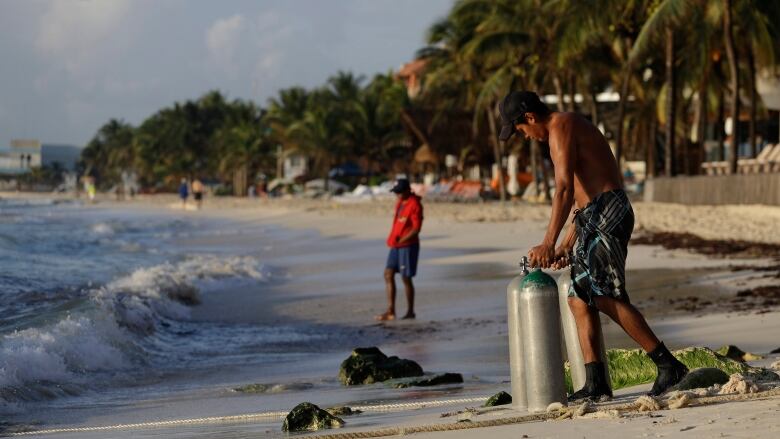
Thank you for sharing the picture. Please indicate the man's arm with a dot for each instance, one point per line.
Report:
(562, 153)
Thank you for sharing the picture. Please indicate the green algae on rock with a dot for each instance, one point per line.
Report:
(426, 381)
(308, 417)
(370, 365)
(630, 367)
(737, 354)
(500, 398)
(343, 411)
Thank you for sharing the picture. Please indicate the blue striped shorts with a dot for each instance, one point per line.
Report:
(598, 262)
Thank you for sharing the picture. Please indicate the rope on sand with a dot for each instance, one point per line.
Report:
(631, 407)
(249, 417)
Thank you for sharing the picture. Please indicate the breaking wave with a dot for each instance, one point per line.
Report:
(112, 331)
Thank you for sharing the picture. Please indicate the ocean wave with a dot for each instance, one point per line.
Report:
(115, 333)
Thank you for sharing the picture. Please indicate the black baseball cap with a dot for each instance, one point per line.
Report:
(401, 185)
(513, 108)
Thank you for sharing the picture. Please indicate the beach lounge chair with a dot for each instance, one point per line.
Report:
(768, 160)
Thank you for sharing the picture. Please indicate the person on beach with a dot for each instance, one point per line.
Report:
(197, 192)
(184, 192)
(404, 243)
(588, 178)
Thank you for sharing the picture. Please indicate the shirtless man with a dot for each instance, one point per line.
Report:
(588, 178)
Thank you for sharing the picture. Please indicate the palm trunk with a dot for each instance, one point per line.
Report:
(496, 152)
(650, 164)
(413, 126)
(719, 128)
(624, 83)
(671, 105)
(559, 92)
(572, 92)
(734, 73)
(594, 107)
(753, 102)
(701, 118)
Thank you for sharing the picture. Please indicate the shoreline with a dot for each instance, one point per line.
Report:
(461, 324)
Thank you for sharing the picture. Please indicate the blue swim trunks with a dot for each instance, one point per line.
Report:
(598, 262)
(404, 260)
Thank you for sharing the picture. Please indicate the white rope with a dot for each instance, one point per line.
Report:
(250, 416)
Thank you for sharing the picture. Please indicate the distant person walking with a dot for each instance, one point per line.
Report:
(588, 178)
(197, 192)
(184, 192)
(404, 243)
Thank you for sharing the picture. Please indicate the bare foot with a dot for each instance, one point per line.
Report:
(408, 316)
(387, 316)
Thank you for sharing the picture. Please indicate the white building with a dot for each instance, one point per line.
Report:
(26, 154)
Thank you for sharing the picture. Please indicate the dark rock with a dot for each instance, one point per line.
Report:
(702, 377)
(370, 365)
(735, 353)
(343, 411)
(500, 398)
(776, 351)
(430, 380)
(308, 417)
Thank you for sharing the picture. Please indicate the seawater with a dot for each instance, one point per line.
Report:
(93, 300)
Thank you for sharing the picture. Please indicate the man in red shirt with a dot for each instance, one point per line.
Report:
(404, 243)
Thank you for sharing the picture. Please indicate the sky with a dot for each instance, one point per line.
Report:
(68, 66)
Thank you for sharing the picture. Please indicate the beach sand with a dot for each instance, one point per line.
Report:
(469, 255)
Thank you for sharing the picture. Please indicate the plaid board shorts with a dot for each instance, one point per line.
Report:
(598, 260)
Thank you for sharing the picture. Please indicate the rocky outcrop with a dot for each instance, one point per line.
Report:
(308, 417)
(702, 377)
(426, 381)
(500, 398)
(370, 365)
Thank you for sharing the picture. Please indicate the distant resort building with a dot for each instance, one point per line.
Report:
(24, 155)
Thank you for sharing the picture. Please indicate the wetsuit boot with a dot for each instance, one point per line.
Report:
(670, 370)
(596, 386)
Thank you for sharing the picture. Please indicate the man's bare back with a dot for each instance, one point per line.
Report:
(595, 168)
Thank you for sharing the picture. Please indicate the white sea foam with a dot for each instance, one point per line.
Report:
(106, 336)
(102, 229)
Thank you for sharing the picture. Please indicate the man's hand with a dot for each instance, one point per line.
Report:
(541, 256)
(561, 258)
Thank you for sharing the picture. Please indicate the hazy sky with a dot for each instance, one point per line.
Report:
(67, 66)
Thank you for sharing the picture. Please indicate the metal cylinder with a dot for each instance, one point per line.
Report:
(516, 362)
(571, 337)
(540, 326)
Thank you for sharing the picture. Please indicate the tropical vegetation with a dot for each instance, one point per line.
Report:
(659, 77)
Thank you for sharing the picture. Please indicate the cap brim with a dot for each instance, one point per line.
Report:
(506, 132)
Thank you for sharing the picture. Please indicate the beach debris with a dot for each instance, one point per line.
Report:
(735, 353)
(603, 414)
(630, 367)
(554, 406)
(776, 365)
(576, 411)
(500, 398)
(426, 381)
(370, 365)
(308, 417)
(647, 403)
(701, 378)
(343, 410)
(739, 384)
(273, 388)
(680, 400)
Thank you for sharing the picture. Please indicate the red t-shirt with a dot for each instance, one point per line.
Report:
(408, 217)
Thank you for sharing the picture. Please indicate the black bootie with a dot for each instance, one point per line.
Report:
(596, 386)
(670, 370)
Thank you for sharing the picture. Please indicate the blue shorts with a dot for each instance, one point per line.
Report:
(404, 260)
